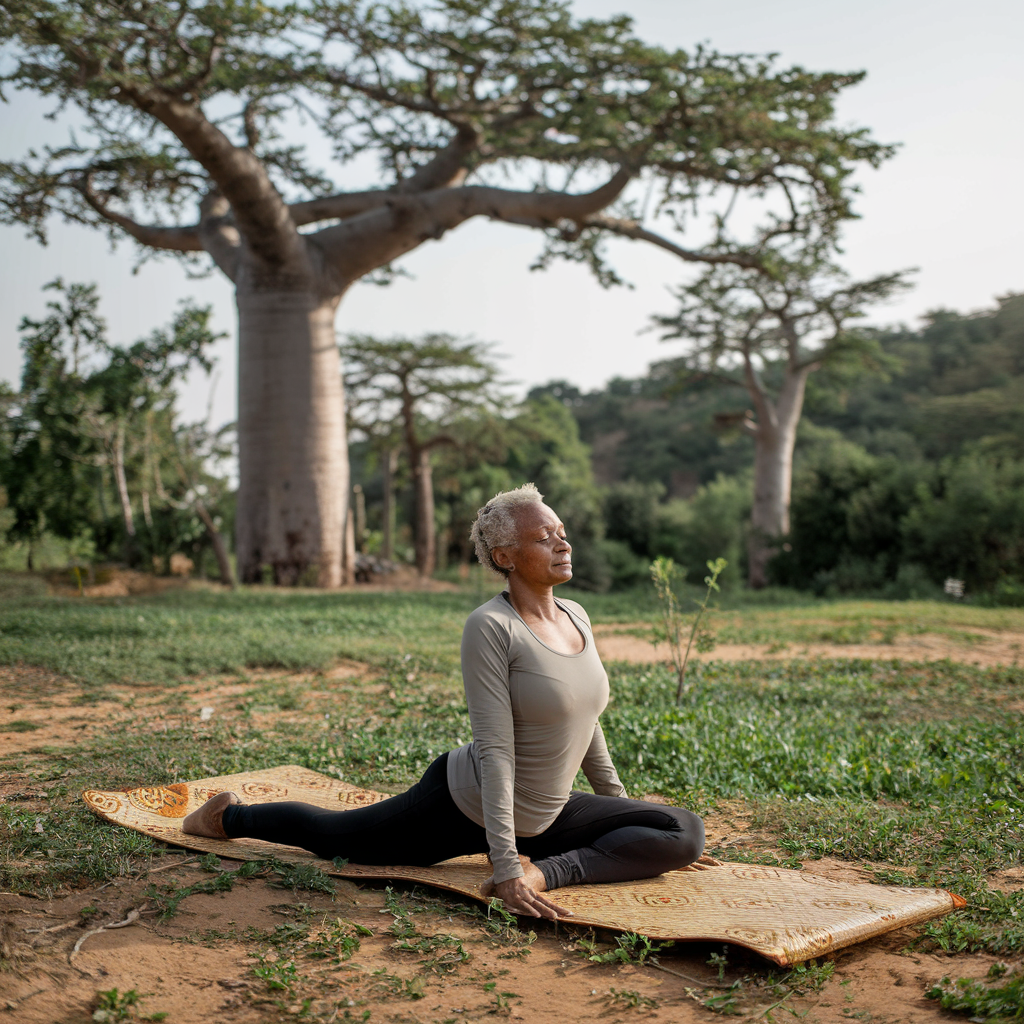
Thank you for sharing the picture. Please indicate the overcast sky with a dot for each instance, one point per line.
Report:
(945, 79)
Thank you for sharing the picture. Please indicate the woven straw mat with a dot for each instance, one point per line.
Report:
(787, 916)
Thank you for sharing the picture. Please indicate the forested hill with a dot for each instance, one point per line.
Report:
(956, 383)
(902, 477)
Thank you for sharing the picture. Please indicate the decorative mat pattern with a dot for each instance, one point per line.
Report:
(786, 916)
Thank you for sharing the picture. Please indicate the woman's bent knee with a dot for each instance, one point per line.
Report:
(689, 843)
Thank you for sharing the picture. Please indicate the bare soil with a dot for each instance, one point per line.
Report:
(989, 647)
(198, 966)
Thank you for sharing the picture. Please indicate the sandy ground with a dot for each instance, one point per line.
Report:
(198, 967)
(988, 647)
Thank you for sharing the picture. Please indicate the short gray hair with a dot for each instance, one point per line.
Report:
(495, 524)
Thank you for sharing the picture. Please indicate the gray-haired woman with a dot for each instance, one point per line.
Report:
(535, 688)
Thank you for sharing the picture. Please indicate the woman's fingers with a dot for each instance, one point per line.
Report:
(559, 910)
(520, 898)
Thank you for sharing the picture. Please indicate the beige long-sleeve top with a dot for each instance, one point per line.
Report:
(534, 714)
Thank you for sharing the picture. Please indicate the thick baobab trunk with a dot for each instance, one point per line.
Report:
(774, 441)
(426, 540)
(293, 461)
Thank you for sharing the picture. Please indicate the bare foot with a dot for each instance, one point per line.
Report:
(208, 820)
(532, 876)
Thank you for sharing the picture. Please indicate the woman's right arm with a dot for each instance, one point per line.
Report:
(485, 671)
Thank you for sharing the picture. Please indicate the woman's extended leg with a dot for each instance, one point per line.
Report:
(420, 826)
(610, 839)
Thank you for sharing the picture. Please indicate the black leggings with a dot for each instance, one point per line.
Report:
(593, 839)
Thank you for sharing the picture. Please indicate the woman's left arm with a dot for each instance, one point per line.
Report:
(598, 767)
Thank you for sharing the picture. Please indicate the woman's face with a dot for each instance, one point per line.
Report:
(543, 555)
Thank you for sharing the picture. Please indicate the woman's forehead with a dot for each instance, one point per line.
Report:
(538, 517)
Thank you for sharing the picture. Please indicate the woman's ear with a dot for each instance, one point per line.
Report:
(502, 558)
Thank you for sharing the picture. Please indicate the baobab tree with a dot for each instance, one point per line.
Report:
(420, 393)
(185, 109)
(766, 330)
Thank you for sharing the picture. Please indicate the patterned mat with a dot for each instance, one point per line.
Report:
(787, 916)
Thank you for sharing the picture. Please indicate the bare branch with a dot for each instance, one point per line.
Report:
(176, 239)
(338, 207)
(219, 235)
(633, 229)
(373, 239)
(260, 213)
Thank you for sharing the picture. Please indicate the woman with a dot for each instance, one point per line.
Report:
(535, 688)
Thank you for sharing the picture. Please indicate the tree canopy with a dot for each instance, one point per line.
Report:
(90, 440)
(196, 103)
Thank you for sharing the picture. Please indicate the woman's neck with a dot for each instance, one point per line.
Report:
(536, 602)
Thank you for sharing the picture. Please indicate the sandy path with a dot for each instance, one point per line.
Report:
(992, 648)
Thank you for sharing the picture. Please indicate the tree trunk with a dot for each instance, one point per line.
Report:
(390, 466)
(292, 456)
(219, 548)
(774, 442)
(426, 541)
(348, 564)
(121, 480)
(360, 505)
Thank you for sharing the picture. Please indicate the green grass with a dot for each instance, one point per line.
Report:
(917, 770)
(164, 638)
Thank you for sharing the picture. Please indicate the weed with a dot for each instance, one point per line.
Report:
(664, 574)
(169, 899)
(448, 952)
(630, 948)
(279, 975)
(630, 999)
(405, 988)
(806, 977)
(302, 876)
(996, 1002)
(113, 1006)
(501, 999)
(505, 928)
(402, 927)
(338, 941)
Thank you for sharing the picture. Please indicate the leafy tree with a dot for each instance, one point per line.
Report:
(422, 391)
(92, 415)
(960, 383)
(768, 329)
(187, 106)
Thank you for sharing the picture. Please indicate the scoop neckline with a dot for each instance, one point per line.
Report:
(572, 618)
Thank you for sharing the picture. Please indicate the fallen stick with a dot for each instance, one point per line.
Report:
(52, 928)
(133, 916)
(177, 864)
(686, 977)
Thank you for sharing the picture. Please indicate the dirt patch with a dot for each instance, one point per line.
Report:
(201, 966)
(41, 709)
(992, 648)
(1010, 880)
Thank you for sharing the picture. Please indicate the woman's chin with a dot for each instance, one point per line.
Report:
(563, 573)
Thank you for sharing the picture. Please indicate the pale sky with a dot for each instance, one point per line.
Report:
(945, 79)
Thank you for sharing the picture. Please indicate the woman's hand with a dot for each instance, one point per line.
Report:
(520, 898)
